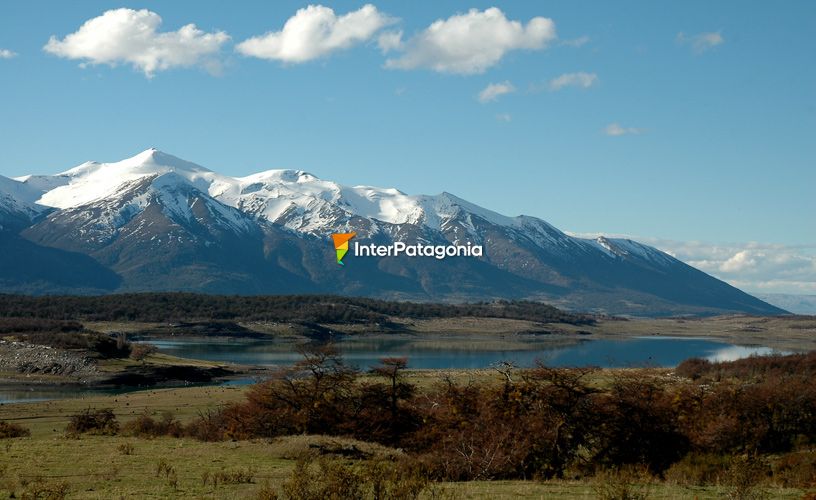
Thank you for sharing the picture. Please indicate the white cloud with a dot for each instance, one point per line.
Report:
(740, 261)
(504, 117)
(316, 31)
(472, 42)
(752, 266)
(494, 90)
(700, 42)
(390, 41)
(581, 80)
(131, 36)
(7, 54)
(615, 129)
(576, 42)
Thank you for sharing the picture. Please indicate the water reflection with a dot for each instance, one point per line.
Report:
(469, 352)
(734, 352)
(439, 352)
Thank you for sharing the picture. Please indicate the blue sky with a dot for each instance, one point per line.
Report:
(690, 125)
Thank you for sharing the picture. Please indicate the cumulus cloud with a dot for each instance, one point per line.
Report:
(472, 42)
(127, 36)
(616, 129)
(753, 267)
(494, 90)
(316, 31)
(504, 117)
(581, 80)
(7, 54)
(700, 42)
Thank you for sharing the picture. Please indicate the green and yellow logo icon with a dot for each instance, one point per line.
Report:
(341, 244)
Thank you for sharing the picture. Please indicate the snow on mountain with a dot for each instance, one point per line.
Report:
(305, 203)
(18, 198)
(93, 181)
(294, 199)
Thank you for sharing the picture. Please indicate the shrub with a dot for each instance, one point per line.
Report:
(539, 423)
(795, 470)
(638, 425)
(325, 480)
(209, 426)
(769, 416)
(89, 421)
(233, 476)
(315, 396)
(745, 477)
(125, 449)
(751, 368)
(698, 469)
(145, 426)
(11, 430)
(394, 480)
(168, 472)
(693, 368)
(622, 484)
(139, 352)
(44, 490)
(266, 492)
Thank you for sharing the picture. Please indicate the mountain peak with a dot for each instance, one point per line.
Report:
(156, 157)
(92, 181)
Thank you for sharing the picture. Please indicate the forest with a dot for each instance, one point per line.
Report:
(173, 307)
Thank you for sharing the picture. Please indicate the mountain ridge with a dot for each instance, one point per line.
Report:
(163, 223)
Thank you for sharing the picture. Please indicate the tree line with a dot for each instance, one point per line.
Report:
(174, 307)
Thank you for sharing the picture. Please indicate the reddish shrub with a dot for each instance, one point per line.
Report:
(93, 422)
(146, 426)
(11, 430)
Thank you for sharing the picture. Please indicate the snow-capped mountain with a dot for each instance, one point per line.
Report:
(161, 223)
(17, 202)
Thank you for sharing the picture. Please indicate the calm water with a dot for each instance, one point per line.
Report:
(464, 352)
(447, 352)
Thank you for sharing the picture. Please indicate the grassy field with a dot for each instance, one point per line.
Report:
(107, 467)
(51, 461)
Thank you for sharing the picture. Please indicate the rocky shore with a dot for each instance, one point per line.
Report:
(31, 359)
(32, 364)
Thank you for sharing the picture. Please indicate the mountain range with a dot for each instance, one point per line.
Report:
(155, 222)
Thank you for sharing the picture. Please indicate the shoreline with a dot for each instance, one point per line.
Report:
(782, 334)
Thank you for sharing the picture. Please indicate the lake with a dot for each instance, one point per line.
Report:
(440, 352)
(463, 352)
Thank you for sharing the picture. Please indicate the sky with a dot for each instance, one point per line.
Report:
(687, 125)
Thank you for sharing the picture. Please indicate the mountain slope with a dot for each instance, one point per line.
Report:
(162, 223)
(26, 267)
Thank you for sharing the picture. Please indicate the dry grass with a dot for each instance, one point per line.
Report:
(48, 419)
(96, 467)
